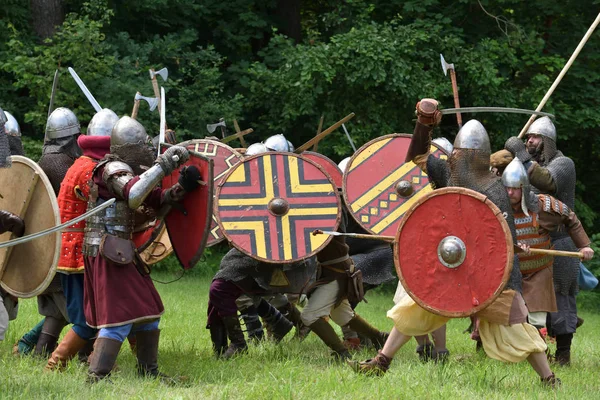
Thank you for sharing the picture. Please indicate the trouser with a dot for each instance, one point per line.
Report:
(322, 303)
(73, 289)
(564, 321)
(121, 332)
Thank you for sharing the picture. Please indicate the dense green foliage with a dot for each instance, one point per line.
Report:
(230, 59)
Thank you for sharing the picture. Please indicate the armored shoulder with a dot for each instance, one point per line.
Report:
(552, 205)
(116, 175)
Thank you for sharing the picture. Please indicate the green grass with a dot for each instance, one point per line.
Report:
(293, 370)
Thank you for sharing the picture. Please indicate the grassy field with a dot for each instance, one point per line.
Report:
(293, 370)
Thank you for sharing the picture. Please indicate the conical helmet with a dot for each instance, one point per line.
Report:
(62, 123)
(515, 176)
(256, 148)
(11, 126)
(444, 144)
(128, 131)
(472, 136)
(344, 163)
(277, 143)
(102, 123)
(543, 127)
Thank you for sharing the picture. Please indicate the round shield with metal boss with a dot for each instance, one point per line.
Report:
(327, 164)
(269, 204)
(27, 269)
(379, 186)
(224, 158)
(453, 252)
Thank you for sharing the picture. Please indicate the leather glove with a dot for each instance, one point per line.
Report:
(189, 178)
(172, 158)
(427, 112)
(11, 222)
(501, 159)
(518, 149)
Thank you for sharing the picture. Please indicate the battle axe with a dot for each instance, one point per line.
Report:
(152, 103)
(164, 73)
(450, 67)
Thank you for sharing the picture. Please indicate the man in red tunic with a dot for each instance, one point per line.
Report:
(119, 296)
(72, 202)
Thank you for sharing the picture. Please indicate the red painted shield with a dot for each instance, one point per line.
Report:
(188, 225)
(269, 204)
(327, 165)
(224, 158)
(453, 252)
(379, 186)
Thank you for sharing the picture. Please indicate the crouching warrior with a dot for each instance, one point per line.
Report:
(119, 296)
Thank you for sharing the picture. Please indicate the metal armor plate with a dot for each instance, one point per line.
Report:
(379, 186)
(453, 252)
(188, 224)
(27, 269)
(269, 204)
(224, 158)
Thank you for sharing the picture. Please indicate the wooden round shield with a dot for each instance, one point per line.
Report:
(224, 158)
(453, 252)
(379, 186)
(159, 249)
(327, 164)
(27, 269)
(269, 204)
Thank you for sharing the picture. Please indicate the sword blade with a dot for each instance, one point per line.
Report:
(85, 90)
(349, 138)
(163, 119)
(53, 94)
(509, 110)
(57, 228)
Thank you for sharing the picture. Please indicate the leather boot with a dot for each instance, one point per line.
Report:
(49, 337)
(84, 354)
(362, 327)
(147, 355)
(235, 334)
(66, 350)
(374, 366)
(254, 328)
(27, 343)
(551, 381)
(278, 325)
(294, 315)
(426, 352)
(563, 349)
(218, 336)
(325, 331)
(106, 351)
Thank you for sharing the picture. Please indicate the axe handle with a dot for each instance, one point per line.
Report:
(156, 90)
(239, 135)
(136, 108)
(455, 93)
(236, 126)
(326, 132)
(319, 129)
(557, 253)
(562, 73)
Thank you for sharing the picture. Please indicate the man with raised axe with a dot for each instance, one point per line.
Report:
(536, 218)
(72, 201)
(552, 173)
(119, 296)
(58, 154)
(505, 333)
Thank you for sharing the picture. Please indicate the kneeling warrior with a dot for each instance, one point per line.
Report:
(119, 296)
(505, 333)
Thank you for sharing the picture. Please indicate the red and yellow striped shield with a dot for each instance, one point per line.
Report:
(379, 186)
(328, 165)
(224, 158)
(269, 204)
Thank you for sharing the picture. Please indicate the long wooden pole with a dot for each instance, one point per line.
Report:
(562, 73)
(326, 132)
(556, 253)
(355, 235)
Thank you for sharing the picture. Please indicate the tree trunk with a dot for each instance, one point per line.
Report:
(45, 16)
(288, 16)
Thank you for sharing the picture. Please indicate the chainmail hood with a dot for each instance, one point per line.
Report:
(138, 156)
(16, 146)
(66, 145)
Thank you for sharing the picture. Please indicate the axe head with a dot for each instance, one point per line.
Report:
(445, 65)
(164, 73)
(213, 127)
(152, 101)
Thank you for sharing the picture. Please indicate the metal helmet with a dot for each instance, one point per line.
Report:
(277, 143)
(291, 146)
(543, 127)
(472, 136)
(515, 176)
(11, 126)
(62, 123)
(128, 131)
(344, 163)
(102, 123)
(3, 118)
(444, 144)
(256, 148)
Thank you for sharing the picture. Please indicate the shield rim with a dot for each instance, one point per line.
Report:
(509, 247)
(327, 159)
(54, 202)
(327, 240)
(217, 143)
(356, 153)
(194, 260)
